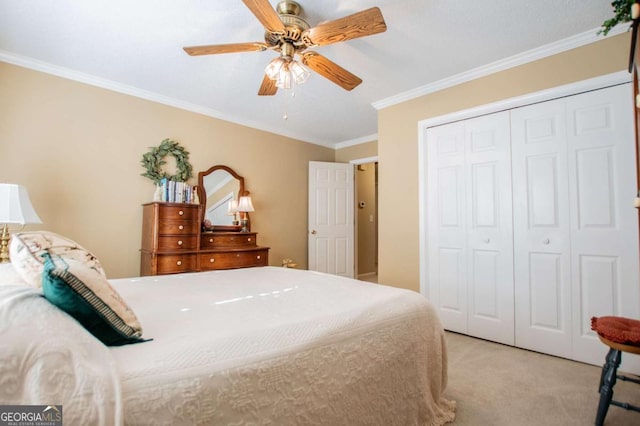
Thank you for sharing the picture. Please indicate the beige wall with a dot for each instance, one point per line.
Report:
(398, 140)
(357, 152)
(77, 149)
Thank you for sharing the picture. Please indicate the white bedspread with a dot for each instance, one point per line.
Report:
(277, 346)
(47, 358)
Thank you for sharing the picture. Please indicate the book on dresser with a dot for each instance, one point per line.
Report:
(172, 242)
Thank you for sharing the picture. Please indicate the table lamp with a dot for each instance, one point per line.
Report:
(244, 206)
(232, 209)
(15, 207)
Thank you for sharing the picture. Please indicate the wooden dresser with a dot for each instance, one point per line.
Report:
(172, 243)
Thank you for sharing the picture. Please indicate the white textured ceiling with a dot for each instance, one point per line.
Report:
(136, 47)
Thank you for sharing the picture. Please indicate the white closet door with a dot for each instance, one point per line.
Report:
(604, 233)
(489, 228)
(542, 246)
(447, 234)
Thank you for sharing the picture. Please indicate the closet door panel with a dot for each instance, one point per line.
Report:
(446, 205)
(542, 260)
(604, 233)
(489, 228)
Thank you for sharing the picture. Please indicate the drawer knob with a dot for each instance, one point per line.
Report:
(179, 262)
(237, 254)
(258, 257)
(546, 241)
(212, 260)
(249, 239)
(181, 227)
(211, 240)
(180, 242)
(180, 213)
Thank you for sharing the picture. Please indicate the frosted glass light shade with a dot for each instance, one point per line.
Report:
(272, 70)
(15, 205)
(299, 73)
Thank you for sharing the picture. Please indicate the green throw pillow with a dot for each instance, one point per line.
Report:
(88, 297)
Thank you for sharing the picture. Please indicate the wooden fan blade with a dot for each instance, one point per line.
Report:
(331, 70)
(268, 87)
(225, 48)
(267, 16)
(359, 24)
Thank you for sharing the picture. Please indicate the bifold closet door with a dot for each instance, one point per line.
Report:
(575, 228)
(447, 229)
(542, 230)
(470, 226)
(604, 223)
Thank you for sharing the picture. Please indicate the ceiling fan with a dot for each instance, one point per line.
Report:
(286, 32)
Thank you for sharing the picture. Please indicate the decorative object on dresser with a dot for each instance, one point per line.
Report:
(244, 206)
(171, 188)
(15, 207)
(179, 237)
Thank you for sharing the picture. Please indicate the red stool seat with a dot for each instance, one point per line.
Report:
(617, 329)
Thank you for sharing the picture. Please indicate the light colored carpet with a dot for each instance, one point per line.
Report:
(497, 385)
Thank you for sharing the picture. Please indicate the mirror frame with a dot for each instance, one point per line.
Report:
(202, 195)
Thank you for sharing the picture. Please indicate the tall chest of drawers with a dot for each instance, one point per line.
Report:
(172, 243)
(170, 238)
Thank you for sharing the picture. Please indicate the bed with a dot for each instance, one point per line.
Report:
(255, 346)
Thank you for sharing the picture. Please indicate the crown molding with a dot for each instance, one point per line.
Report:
(541, 52)
(103, 83)
(356, 141)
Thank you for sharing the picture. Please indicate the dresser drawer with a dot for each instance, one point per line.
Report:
(227, 240)
(177, 227)
(234, 259)
(175, 263)
(179, 242)
(181, 212)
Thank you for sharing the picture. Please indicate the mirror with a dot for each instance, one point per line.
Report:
(217, 187)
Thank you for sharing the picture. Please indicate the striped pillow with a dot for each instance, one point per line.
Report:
(87, 296)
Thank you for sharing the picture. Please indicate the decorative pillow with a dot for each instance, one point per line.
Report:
(26, 251)
(9, 275)
(617, 329)
(86, 295)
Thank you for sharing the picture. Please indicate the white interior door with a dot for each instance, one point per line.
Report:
(489, 228)
(331, 218)
(604, 223)
(447, 231)
(542, 243)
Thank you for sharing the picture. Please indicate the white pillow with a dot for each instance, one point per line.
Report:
(26, 250)
(9, 275)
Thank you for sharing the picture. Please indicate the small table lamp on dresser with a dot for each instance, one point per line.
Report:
(15, 207)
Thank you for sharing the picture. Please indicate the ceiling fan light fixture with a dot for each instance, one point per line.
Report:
(299, 73)
(273, 69)
(285, 80)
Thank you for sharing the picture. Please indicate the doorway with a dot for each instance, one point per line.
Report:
(366, 217)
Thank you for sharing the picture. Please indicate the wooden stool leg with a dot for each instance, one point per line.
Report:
(607, 382)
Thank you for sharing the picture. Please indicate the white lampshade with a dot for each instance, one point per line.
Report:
(15, 205)
(245, 205)
(232, 207)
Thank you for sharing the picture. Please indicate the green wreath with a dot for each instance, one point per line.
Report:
(153, 161)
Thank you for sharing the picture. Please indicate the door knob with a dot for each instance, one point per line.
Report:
(313, 232)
